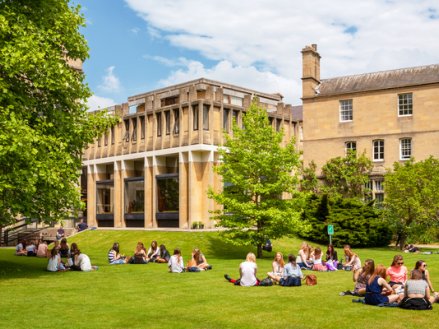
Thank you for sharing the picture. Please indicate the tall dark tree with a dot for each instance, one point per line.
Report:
(44, 123)
(258, 172)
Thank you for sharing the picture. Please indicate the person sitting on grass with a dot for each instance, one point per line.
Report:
(417, 293)
(331, 258)
(54, 264)
(292, 274)
(82, 262)
(247, 272)
(378, 291)
(277, 266)
(200, 260)
(139, 256)
(176, 264)
(42, 250)
(360, 278)
(164, 255)
(397, 273)
(317, 261)
(114, 256)
(353, 262)
(422, 266)
(31, 249)
(64, 249)
(20, 248)
(304, 254)
(153, 252)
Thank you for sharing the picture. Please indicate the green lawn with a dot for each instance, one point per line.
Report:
(147, 296)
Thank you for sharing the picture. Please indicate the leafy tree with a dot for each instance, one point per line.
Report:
(411, 204)
(44, 124)
(355, 222)
(257, 171)
(347, 175)
(309, 181)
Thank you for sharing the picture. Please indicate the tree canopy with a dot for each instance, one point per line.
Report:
(257, 171)
(44, 123)
(411, 203)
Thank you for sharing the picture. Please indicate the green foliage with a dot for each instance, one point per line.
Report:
(355, 223)
(44, 124)
(309, 181)
(257, 171)
(411, 203)
(347, 175)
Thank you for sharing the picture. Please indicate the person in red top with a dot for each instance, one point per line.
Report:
(397, 272)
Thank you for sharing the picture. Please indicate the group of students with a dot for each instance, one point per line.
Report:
(407, 290)
(159, 254)
(63, 257)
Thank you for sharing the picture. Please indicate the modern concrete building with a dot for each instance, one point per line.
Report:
(390, 115)
(155, 167)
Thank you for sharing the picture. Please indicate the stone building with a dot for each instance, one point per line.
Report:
(155, 167)
(390, 115)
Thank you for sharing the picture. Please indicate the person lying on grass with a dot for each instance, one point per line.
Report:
(247, 272)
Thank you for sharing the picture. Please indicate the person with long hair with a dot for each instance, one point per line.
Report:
(397, 272)
(198, 260)
(54, 264)
(277, 266)
(114, 256)
(64, 249)
(139, 256)
(417, 293)
(292, 274)
(164, 255)
(153, 252)
(176, 263)
(317, 261)
(331, 258)
(304, 255)
(422, 266)
(375, 287)
(353, 262)
(360, 278)
(247, 272)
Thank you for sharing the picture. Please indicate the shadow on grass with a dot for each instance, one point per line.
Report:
(221, 249)
(25, 268)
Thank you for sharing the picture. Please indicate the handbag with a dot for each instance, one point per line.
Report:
(311, 280)
(266, 282)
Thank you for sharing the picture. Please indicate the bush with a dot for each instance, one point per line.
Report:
(355, 223)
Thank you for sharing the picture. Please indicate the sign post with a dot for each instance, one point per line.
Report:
(330, 232)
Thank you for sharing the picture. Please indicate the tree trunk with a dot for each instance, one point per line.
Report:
(259, 252)
(402, 240)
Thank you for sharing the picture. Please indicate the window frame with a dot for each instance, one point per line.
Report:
(347, 148)
(403, 148)
(378, 155)
(346, 107)
(405, 107)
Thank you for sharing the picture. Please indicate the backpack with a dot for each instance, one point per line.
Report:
(266, 282)
(311, 280)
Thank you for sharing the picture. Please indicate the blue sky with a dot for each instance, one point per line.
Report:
(140, 45)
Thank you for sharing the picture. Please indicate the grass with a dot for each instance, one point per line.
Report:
(147, 296)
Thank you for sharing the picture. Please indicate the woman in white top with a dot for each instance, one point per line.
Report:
(247, 272)
(302, 258)
(153, 252)
(54, 264)
(176, 263)
(277, 266)
(417, 293)
(82, 262)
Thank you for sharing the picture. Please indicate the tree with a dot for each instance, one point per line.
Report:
(309, 181)
(411, 204)
(257, 171)
(347, 175)
(44, 124)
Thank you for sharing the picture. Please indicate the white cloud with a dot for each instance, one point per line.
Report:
(110, 82)
(96, 102)
(257, 36)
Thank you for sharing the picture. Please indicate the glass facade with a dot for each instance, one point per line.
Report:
(167, 193)
(135, 196)
(104, 197)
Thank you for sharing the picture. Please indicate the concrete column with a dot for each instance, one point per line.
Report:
(91, 195)
(119, 172)
(183, 191)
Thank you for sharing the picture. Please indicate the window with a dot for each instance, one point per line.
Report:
(350, 146)
(132, 109)
(168, 122)
(346, 110)
(106, 139)
(176, 121)
(113, 136)
(104, 197)
(134, 195)
(126, 137)
(159, 123)
(134, 134)
(405, 104)
(379, 199)
(278, 124)
(195, 117)
(235, 115)
(226, 113)
(206, 109)
(378, 150)
(142, 127)
(405, 146)
(379, 186)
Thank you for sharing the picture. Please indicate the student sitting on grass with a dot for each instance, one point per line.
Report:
(42, 250)
(378, 291)
(247, 272)
(353, 262)
(20, 248)
(64, 249)
(164, 255)
(114, 256)
(397, 273)
(82, 262)
(417, 293)
(139, 256)
(331, 258)
(317, 261)
(277, 266)
(292, 274)
(153, 252)
(360, 278)
(199, 260)
(176, 264)
(422, 266)
(54, 264)
(304, 254)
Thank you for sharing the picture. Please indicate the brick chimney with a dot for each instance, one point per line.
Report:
(311, 71)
